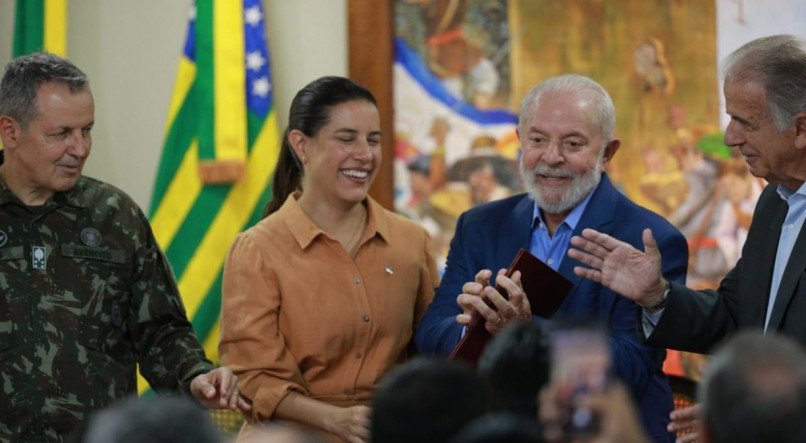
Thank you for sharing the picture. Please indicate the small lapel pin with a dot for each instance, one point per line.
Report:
(389, 270)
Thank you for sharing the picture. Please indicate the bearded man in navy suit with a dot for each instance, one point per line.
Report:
(566, 130)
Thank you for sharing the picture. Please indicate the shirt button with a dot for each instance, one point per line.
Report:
(357, 281)
(358, 355)
(366, 319)
(550, 261)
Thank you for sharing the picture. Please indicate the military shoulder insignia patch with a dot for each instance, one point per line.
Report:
(39, 256)
(90, 236)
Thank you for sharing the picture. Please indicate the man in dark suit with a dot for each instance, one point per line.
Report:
(566, 131)
(765, 96)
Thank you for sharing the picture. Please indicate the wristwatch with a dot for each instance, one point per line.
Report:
(663, 298)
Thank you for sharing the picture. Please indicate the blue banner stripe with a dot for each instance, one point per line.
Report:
(414, 65)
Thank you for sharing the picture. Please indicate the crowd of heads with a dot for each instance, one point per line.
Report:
(753, 390)
(158, 419)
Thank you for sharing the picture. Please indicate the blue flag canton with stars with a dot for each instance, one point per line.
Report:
(189, 50)
(258, 76)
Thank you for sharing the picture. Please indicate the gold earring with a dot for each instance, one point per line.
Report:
(304, 160)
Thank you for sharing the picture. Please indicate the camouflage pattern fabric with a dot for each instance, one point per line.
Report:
(85, 295)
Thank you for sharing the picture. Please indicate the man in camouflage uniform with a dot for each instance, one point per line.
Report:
(85, 292)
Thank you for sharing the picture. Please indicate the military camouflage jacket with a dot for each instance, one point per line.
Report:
(85, 295)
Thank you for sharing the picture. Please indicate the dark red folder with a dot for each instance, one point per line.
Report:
(545, 289)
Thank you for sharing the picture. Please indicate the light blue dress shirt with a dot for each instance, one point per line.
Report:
(552, 249)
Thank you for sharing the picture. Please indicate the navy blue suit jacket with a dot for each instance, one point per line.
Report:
(488, 236)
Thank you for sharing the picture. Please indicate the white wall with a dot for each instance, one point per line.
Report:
(741, 22)
(130, 49)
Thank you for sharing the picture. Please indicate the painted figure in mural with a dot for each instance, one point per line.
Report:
(720, 193)
(484, 186)
(651, 65)
(764, 90)
(694, 216)
(566, 129)
(451, 90)
(459, 48)
(87, 295)
(482, 79)
(487, 174)
(709, 195)
(321, 297)
(663, 185)
(439, 194)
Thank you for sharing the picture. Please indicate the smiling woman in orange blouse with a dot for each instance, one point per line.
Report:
(320, 298)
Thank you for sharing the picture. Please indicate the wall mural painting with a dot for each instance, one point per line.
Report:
(462, 66)
(455, 142)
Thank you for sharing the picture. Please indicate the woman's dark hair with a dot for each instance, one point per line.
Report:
(308, 114)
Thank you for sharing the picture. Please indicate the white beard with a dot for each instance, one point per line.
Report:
(560, 200)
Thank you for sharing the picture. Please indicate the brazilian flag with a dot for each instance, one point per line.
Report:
(40, 25)
(221, 146)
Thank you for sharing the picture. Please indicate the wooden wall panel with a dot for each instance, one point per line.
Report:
(370, 33)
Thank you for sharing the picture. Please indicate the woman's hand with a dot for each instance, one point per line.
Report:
(350, 423)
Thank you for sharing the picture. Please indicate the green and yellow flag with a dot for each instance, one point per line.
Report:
(221, 146)
(40, 25)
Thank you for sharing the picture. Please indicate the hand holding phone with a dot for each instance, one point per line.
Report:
(581, 363)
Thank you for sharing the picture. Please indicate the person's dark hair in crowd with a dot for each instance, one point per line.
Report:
(159, 419)
(503, 428)
(426, 400)
(754, 391)
(516, 366)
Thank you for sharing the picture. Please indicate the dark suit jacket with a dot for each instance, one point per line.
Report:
(488, 236)
(698, 320)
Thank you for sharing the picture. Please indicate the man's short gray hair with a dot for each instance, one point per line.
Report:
(604, 112)
(779, 63)
(23, 77)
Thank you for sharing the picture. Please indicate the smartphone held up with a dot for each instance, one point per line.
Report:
(581, 363)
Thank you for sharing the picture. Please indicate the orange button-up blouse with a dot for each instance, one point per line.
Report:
(298, 313)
